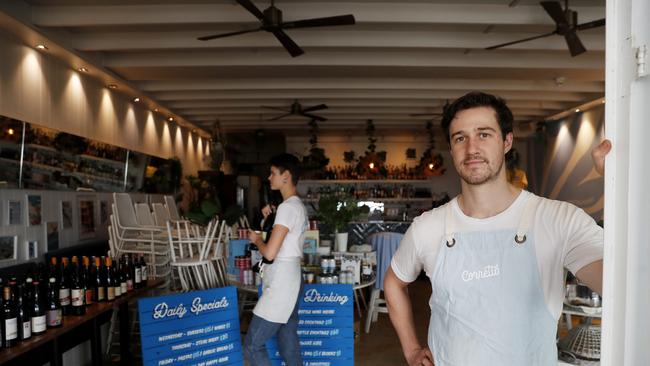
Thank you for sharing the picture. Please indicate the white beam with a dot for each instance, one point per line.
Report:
(370, 83)
(365, 94)
(396, 12)
(328, 37)
(366, 58)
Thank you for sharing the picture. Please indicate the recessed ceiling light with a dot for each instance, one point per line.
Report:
(577, 110)
(603, 101)
(171, 119)
(10, 131)
(194, 130)
(83, 69)
(155, 109)
(136, 99)
(41, 47)
(112, 86)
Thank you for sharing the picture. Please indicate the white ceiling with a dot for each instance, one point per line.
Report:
(401, 57)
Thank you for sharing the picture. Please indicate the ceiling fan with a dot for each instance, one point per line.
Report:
(566, 24)
(297, 109)
(271, 20)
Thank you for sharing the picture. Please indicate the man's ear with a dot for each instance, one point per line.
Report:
(507, 143)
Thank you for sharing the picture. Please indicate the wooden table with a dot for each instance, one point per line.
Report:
(50, 345)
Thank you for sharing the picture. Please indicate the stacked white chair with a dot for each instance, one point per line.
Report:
(193, 265)
(130, 235)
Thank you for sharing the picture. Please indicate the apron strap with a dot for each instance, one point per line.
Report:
(449, 226)
(522, 229)
(526, 219)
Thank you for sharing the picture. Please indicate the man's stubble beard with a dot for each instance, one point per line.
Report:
(490, 176)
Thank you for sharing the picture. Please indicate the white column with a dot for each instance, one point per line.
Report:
(626, 312)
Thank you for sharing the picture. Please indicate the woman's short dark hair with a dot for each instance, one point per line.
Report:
(478, 99)
(287, 162)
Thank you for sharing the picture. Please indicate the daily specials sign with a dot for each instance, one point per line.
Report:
(195, 328)
(325, 328)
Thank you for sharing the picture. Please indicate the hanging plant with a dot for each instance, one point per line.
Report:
(314, 163)
(371, 164)
(431, 164)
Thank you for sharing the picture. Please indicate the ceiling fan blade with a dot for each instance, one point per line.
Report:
(248, 5)
(520, 41)
(276, 108)
(279, 117)
(315, 108)
(554, 9)
(574, 43)
(313, 116)
(207, 38)
(288, 43)
(320, 22)
(589, 25)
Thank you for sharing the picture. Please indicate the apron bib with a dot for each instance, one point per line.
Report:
(280, 287)
(487, 303)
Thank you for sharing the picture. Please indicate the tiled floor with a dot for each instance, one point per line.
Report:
(381, 346)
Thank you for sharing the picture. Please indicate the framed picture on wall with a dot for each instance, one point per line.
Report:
(31, 249)
(8, 248)
(34, 209)
(86, 218)
(52, 235)
(15, 213)
(66, 214)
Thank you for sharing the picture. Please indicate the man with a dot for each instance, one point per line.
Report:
(495, 254)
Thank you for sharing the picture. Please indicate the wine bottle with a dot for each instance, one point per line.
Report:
(39, 321)
(24, 311)
(128, 271)
(64, 287)
(54, 310)
(110, 287)
(9, 318)
(86, 282)
(145, 272)
(137, 273)
(77, 295)
(96, 278)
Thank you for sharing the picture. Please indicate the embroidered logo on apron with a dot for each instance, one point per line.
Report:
(486, 272)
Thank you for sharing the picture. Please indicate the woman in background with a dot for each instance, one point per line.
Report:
(276, 311)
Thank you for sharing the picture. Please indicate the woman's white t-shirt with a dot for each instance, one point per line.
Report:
(292, 215)
(564, 236)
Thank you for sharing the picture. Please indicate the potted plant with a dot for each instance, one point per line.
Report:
(336, 213)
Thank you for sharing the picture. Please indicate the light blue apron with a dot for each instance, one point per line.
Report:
(487, 304)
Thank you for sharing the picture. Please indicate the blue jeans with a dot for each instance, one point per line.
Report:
(260, 331)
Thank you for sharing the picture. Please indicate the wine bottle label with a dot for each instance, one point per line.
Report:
(39, 324)
(138, 275)
(54, 317)
(144, 273)
(123, 287)
(100, 294)
(118, 291)
(111, 293)
(77, 297)
(89, 296)
(27, 329)
(11, 329)
(129, 285)
(64, 297)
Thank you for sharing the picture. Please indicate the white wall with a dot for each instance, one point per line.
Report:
(37, 88)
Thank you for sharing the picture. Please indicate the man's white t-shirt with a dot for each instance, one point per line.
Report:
(564, 236)
(292, 215)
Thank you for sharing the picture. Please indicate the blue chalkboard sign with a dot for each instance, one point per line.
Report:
(193, 328)
(325, 327)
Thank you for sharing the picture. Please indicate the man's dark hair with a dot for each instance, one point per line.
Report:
(478, 99)
(287, 162)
